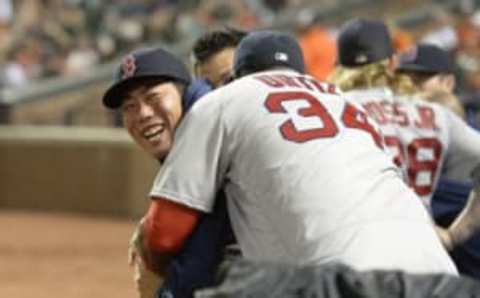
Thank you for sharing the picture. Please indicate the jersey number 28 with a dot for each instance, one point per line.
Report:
(421, 157)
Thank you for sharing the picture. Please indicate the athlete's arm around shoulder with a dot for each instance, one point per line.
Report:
(466, 225)
(186, 183)
(193, 170)
(465, 144)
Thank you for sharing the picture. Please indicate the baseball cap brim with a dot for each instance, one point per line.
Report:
(115, 95)
(414, 68)
(425, 58)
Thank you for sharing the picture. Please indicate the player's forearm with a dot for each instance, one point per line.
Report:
(444, 236)
(467, 223)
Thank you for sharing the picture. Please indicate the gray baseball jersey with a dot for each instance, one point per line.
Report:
(305, 174)
(426, 139)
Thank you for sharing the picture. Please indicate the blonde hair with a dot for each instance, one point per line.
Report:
(373, 75)
(365, 76)
(403, 84)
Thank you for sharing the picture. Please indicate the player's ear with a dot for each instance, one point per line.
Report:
(195, 65)
(180, 87)
(450, 82)
(393, 62)
(196, 70)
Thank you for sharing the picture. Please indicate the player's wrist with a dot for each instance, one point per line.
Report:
(461, 232)
(445, 237)
(449, 240)
(137, 241)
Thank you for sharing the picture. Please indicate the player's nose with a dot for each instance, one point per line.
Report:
(145, 111)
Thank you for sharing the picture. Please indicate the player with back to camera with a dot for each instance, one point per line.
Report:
(427, 72)
(424, 138)
(280, 144)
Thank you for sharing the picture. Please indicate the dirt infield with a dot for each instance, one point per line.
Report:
(50, 255)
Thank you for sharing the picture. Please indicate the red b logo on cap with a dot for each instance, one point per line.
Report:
(128, 67)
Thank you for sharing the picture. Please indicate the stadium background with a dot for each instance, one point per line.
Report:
(72, 182)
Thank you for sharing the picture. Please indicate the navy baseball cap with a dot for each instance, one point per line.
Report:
(425, 58)
(154, 63)
(363, 42)
(262, 50)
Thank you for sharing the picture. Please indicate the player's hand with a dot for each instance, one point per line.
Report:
(445, 237)
(136, 249)
(146, 281)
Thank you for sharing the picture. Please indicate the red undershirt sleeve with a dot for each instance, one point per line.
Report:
(167, 225)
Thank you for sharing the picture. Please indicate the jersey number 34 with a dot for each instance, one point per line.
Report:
(309, 119)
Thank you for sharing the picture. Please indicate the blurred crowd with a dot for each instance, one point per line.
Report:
(456, 30)
(49, 38)
(45, 38)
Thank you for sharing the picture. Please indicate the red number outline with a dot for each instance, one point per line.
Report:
(407, 157)
(352, 117)
(415, 166)
(273, 103)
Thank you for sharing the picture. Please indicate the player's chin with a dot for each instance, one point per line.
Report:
(160, 151)
(158, 148)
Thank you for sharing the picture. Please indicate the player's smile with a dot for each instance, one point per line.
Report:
(150, 114)
(153, 132)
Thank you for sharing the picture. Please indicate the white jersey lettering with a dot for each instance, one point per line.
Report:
(422, 138)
